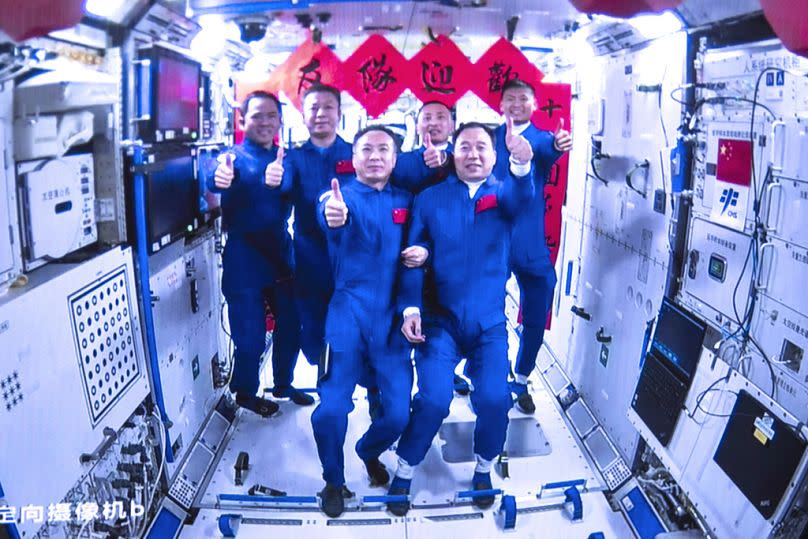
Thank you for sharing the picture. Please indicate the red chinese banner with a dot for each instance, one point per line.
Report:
(501, 63)
(376, 74)
(311, 63)
(553, 106)
(441, 72)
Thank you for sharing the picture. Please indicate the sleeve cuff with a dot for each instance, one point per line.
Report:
(409, 311)
(519, 169)
(324, 196)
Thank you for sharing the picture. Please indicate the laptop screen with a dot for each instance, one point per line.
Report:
(679, 336)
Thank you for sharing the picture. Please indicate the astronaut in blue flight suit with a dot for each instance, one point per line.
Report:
(308, 171)
(464, 225)
(257, 258)
(431, 163)
(425, 166)
(364, 222)
(530, 257)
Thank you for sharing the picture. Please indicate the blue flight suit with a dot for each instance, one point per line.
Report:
(412, 174)
(308, 171)
(530, 257)
(362, 326)
(468, 243)
(257, 264)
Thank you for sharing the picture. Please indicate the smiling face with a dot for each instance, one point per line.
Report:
(435, 119)
(374, 156)
(474, 156)
(518, 103)
(321, 114)
(261, 121)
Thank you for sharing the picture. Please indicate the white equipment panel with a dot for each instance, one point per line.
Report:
(713, 267)
(59, 202)
(187, 322)
(729, 153)
(72, 346)
(689, 455)
(10, 252)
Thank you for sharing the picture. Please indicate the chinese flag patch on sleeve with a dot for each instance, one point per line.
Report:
(400, 215)
(345, 167)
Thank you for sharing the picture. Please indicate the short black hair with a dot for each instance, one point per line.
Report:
(473, 125)
(258, 94)
(320, 88)
(434, 102)
(378, 127)
(517, 84)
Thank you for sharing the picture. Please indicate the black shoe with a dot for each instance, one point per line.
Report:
(262, 407)
(461, 387)
(482, 481)
(399, 487)
(524, 402)
(332, 501)
(295, 395)
(377, 473)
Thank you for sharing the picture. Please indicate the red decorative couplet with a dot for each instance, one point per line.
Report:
(441, 72)
(311, 63)
(376, 74)
(553, 105)
(501, 63)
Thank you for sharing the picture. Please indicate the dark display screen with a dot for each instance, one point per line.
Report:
(172, 196)
(679, 337)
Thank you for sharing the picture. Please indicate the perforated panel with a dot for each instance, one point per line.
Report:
(101, 316)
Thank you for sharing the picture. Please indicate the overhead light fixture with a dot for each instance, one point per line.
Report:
(104, 8)
(657, 25)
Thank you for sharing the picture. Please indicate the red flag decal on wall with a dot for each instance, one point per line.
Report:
(734, 163)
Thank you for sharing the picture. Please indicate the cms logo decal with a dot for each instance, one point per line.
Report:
(729, 197)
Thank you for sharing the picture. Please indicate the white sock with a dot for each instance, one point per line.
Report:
(521, 379)
(483, 466)
(404, 471)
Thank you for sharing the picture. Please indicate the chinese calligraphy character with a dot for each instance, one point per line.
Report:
(59, 512)
(499, 76)
(437, 77)
(114, 510)
(309, 76)
(550, 107)
(86, 511)
(555, 174)
(375, 76)
(7, 514)
(32, 513)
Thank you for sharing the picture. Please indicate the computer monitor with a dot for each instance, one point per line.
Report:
(168, 93)
(172, 195)
(679, 336)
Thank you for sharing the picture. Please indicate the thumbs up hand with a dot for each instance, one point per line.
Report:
(336, 212)
(225, 173)
(273, 175)
(433, 157)
(563, 139)
(517, 145)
